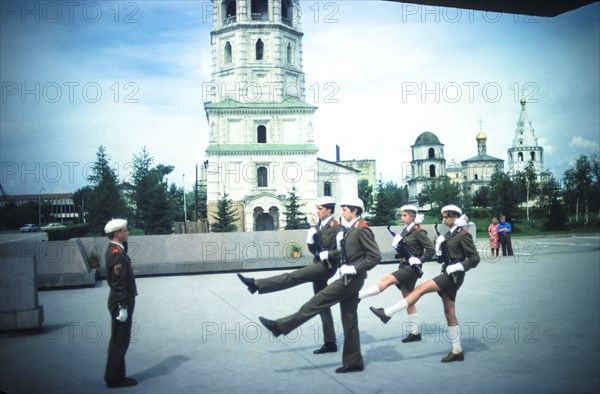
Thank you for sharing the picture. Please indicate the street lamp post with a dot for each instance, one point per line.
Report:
(184, 206)
(40, 207)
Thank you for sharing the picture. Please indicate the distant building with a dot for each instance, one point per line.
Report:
(525, 148)
(478, 170)
(366, 169)
(427, 164)
(62, 205)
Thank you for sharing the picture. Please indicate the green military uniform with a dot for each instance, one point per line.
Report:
(461, 250)
(363, 253)
(318, 273)
(417, 245)
(120, 278)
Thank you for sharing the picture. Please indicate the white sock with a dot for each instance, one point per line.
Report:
(454, 336)
(414, 323)
(396, 307)
(371, 291)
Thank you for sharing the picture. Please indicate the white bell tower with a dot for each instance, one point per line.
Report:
(261, 139)
(525, 148)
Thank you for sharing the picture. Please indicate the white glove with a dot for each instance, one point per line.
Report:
(438, 245)
(324, 255)
(309, 236)
(414, 261)
(339, 237)
(462, 221)
(347, 269)
(396, 241)
(454, 268)
(122, 314)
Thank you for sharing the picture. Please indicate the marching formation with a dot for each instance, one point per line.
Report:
(353, 251)
(350, 250)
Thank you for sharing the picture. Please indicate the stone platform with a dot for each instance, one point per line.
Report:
(530, 325)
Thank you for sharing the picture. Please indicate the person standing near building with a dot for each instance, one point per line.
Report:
(414, 247)
(121, 302)
(326, 262)
(460, 255)
(504, 231)
(494, 241)
(360, 253)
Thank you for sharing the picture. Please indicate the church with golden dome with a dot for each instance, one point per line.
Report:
(478, 170)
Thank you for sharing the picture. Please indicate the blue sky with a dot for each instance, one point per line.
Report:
(130, 74)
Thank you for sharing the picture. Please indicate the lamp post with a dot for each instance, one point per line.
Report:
(40, 207)
(184, 206)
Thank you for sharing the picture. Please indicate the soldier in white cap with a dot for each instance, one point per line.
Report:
(121, 302)
(361, 254)
(462, 256)
(322, 244)
(414, 248)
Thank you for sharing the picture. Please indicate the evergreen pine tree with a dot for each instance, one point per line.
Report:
(225, 216)
(105, 200)
(384, 212)
(294, 217)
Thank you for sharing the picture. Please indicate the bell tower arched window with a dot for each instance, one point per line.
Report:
(259, 10)
(286, 9)
(260, 47)
(431, 153)
(520, 156)
(228, 51)
(432, 171)
(261, 134)
(229, 11)
(289, 53)
(262, 176)
(327, 189)
(533, 156)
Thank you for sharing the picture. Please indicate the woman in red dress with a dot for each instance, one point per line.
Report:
(494, 240)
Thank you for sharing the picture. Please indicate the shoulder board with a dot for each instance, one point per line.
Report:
(419, 227)
(114, 250)
(361, 224)
(333, 222)
(461, 230)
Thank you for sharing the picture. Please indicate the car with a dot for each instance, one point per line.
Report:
(51, 226)
(29, 228)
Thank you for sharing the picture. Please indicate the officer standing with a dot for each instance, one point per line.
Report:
(461, 256)
(326, 262)
(414, 247)
(121, 302)
(360, 253)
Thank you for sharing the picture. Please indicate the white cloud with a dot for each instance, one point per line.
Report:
(579, 142)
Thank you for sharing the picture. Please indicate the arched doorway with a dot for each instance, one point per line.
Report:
(263, 221)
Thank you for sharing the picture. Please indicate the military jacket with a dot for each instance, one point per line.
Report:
(418, 243)
(328, 239)
(361, 249)
(461, 248)
(120, 277)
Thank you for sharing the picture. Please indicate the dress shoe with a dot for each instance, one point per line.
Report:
(454, 357)
(380, 314)
(345, 369)
(125, 382)
(270, 325)
(328, 347)
(412, 338)
(249, 282)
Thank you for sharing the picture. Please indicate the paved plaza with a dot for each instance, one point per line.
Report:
(530, 323)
